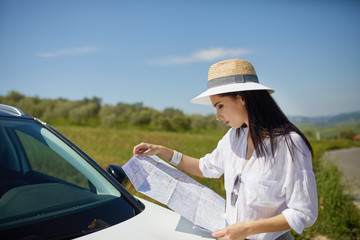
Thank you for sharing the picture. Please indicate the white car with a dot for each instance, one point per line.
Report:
(51, 189)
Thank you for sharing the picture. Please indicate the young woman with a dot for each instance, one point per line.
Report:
(266, 161)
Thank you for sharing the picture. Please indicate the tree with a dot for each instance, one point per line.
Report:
(346, 134)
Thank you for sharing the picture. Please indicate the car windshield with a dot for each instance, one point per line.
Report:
(44, 182)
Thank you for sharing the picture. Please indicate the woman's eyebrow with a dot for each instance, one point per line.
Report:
(216, 104)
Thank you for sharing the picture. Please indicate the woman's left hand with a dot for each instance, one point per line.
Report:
(235, 231)
(241, 230)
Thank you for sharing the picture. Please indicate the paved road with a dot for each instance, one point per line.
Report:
(348, 161)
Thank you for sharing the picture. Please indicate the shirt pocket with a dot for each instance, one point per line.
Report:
(261, 193)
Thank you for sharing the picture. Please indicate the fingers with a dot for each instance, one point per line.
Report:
(218, 233)
(140, 149)
(144, 149)
(234, 231)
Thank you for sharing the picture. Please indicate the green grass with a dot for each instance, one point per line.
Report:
(338, 217)
(110, 145)
(115, 146)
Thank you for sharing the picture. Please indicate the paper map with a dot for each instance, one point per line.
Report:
(159, 180)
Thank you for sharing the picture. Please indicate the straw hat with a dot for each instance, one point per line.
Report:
(232, 75)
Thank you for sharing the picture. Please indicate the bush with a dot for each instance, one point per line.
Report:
(346, 134)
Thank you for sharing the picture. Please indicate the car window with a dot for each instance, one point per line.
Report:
(45, 160)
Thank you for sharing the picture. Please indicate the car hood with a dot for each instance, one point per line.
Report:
(154, 223)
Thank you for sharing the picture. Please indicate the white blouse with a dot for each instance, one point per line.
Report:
(284, 184)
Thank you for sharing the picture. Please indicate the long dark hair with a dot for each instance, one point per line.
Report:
(266, 119)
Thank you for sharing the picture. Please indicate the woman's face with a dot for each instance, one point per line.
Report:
(231, 111)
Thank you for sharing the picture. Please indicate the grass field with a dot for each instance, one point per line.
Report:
(338, 217)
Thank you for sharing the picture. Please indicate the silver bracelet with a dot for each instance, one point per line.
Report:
(176, 158)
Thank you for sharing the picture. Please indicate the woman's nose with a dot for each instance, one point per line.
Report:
(218, 116)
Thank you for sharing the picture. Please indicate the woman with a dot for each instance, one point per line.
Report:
(266, 161)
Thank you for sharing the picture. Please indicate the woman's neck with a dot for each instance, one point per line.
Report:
(249, 148)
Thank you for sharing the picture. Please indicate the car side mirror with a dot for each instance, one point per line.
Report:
(118, 173)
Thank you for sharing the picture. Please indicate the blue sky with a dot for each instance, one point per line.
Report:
(159, 52)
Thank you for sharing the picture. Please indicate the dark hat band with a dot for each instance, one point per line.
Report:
(240, 78)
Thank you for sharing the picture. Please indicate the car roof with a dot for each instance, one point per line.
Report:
(10, 111)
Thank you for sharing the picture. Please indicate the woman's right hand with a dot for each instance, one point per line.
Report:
(187, 163)
(146, 149)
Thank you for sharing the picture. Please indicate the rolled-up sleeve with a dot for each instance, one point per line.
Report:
(212, 164)
(302, 202)
(300, 189)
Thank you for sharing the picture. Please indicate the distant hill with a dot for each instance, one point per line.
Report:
(341, 119)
